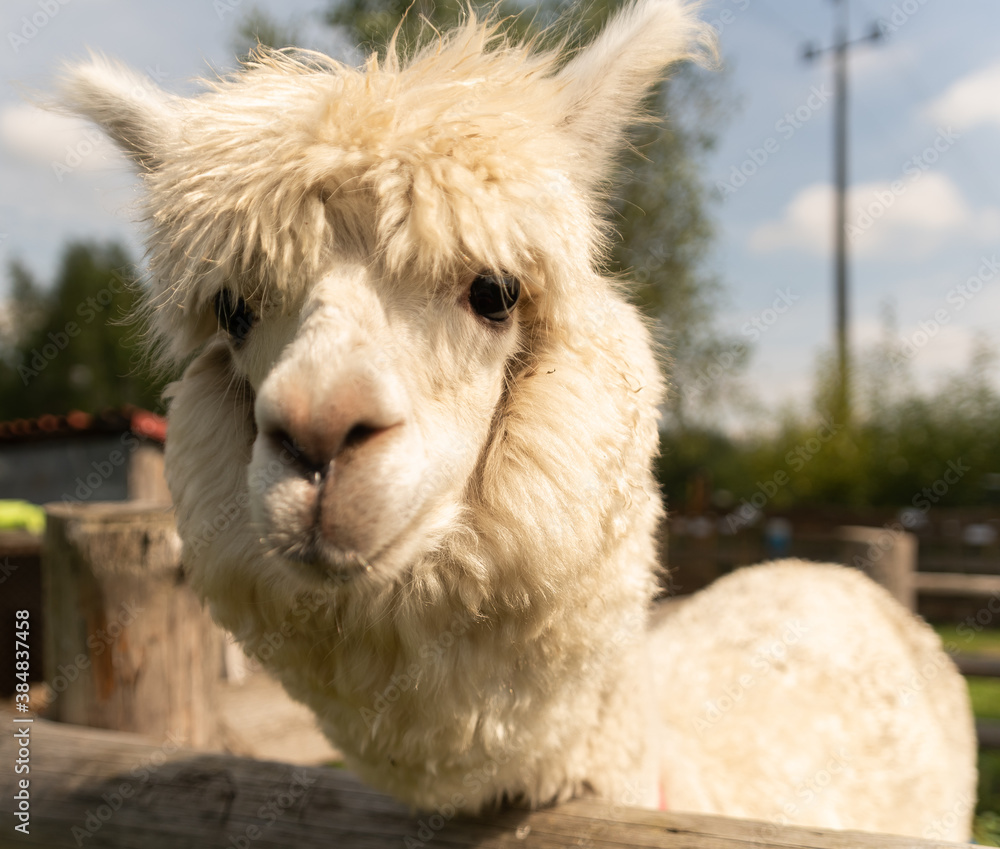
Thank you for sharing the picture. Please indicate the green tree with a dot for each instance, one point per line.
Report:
(902, 448)
(76, 346)
(257, 27)
(666, 233)
(371, 23)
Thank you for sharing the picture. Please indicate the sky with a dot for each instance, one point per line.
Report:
(924, 205)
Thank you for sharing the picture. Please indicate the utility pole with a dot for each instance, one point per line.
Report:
(840, 48)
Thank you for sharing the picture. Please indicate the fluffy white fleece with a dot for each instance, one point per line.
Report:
(437, 528)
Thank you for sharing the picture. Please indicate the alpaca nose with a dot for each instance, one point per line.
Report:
(320, 431)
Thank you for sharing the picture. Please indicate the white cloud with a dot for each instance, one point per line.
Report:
(887, 58)
(47, 137)
(938, 351)
(970, 101)
(806, 223)
(917, 214)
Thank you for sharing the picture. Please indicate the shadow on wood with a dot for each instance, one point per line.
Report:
(96, 788)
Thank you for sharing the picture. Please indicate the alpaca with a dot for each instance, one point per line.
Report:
(410, 452)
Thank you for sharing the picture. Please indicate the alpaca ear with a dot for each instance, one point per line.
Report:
(606, 82)
(135, 113)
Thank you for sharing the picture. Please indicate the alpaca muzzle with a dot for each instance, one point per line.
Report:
(321, 436)
(333, 440)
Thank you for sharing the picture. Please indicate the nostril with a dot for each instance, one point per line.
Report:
(314, 440)
(286, 445)
(358, 434)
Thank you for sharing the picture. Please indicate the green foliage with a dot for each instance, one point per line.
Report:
(21, 515)
(258, 27)
(74, 345)
(986, 828)
(900, 447)
(372, 23)
(665, 233)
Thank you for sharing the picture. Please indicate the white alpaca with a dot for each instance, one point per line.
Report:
(410, 453)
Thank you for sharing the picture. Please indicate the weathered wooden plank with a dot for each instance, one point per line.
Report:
(128, 645)
(981, 665)
(97, 788)
(944, 583)
(988, 733)
(888, 558)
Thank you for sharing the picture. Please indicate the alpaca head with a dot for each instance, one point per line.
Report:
(384, 281)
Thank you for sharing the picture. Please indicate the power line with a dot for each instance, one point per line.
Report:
(840, 49)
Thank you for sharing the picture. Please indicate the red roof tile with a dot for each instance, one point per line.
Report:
(142, 423)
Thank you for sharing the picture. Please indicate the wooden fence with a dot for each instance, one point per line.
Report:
(95, 788)
(92, 787)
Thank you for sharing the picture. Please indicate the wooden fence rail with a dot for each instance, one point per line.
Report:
(948, 583)
(96, 788)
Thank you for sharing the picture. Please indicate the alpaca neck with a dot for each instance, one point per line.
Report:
(432, 700)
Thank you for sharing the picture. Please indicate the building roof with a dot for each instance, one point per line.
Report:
(141, 423)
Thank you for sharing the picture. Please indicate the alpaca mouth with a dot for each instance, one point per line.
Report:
(317, 560)
(317, 557)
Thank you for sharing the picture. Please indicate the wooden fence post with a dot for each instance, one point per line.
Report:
(128, 645)
(888, 557)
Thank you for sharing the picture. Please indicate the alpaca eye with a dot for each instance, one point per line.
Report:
(493, 296)
(235, 317)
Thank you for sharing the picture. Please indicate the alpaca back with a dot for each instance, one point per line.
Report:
(811, 697)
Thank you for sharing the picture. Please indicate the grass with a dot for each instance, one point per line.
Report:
(986, 828)
(965, 638)
(985, 696)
